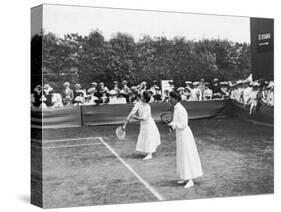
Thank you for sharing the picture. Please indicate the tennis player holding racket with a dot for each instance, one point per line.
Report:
(187, 157)
(149, 136)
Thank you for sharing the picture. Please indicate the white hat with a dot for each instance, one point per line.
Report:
(180, 88)
(196, 83)
(188, 82)
(112, 92)
(271, 84)
(66, 84)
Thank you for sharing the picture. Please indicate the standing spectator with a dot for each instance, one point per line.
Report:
(246, 94)
(196, 92)
(67, 94)
(207, 93)
(202, 85)
(102, 90)
(254, 97)
(240, 91)
(115, 87)
(125, 91)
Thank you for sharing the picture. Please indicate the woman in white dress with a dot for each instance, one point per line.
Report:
(149, 136)
(187, 157)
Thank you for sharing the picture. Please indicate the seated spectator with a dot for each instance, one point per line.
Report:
(270, 95)
(121, 99)
(187, 89)
(37, 93)
(56, 100)
(67, 94)
(48, 95)
(207, 93)
(151, 97)
(79, 95)
(104, 98)
(181, 93)
(224, 90)
(156, 92)
(215, 87)
(166, 96)
(113, 97)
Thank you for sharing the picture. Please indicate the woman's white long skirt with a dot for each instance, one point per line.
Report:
(188, 161)
(149, 137)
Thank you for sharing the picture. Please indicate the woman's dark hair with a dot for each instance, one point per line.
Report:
(175, 95)
(146, 96)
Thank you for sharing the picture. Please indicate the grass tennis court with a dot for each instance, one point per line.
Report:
(80, 168)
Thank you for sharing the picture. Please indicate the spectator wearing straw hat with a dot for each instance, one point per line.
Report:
(156, 92)
(187, 89)
(215, 87)
(67, 94)
(47, 93)
(79, 95)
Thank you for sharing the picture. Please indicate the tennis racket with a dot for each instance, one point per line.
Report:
(121, 131)
(167, 118)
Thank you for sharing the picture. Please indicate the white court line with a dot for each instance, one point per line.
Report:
(149, 187)
(62, 140)
(67, 146)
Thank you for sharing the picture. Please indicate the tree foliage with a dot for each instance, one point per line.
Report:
(148, 59)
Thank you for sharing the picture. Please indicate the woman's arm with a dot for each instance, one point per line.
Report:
(180, 120)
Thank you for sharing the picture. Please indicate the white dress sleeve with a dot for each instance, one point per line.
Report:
(180, 120)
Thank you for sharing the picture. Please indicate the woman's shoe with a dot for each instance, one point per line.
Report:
(148, 157)
(189, 184)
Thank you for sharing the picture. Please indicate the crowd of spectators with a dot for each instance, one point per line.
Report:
(245, 92)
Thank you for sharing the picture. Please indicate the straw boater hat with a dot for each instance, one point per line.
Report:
(196, 83)
(66, 84)
(124, 82)
(94, 83)
(207, 83)
(256, 84)
(180, 89)
(113, 93)
(115, 82)
(188, 82)
(77, 86)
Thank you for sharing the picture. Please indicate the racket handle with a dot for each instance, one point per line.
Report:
(125, 124)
